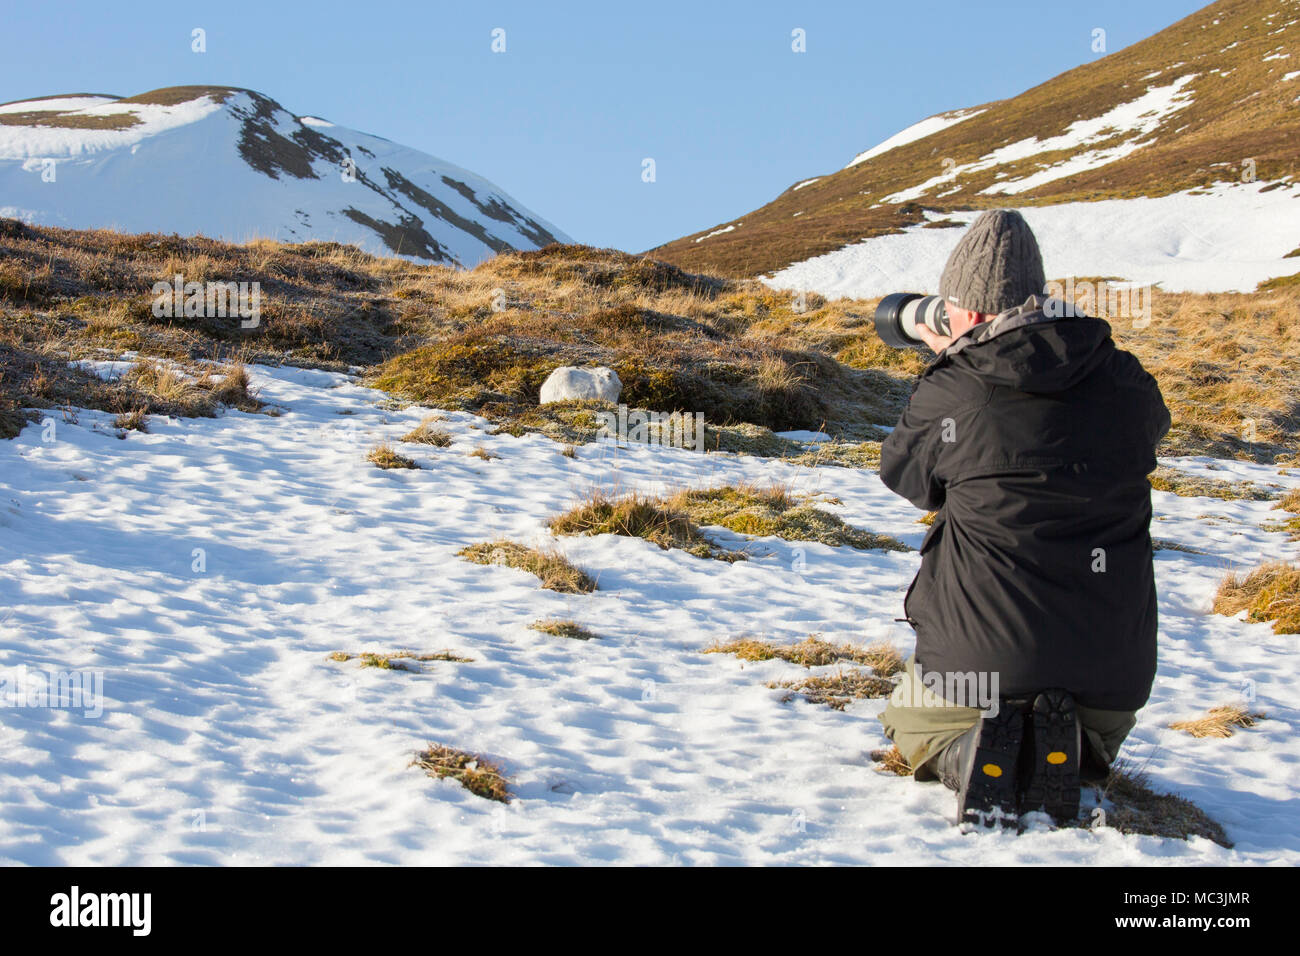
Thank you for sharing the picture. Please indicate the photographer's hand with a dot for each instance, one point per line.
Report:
(936, 342)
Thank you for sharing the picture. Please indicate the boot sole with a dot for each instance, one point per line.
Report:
(1053, 784)
(990, 795)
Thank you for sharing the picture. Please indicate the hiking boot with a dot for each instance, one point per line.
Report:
(1052, 757)
(981, 765)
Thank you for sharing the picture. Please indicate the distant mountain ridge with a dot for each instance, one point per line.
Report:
(1214, 98)
(233, 164)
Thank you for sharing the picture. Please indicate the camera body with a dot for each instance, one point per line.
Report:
(899, 315)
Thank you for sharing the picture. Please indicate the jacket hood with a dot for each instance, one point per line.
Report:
(1037, 347)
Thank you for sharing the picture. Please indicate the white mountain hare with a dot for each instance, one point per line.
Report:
(568, 383)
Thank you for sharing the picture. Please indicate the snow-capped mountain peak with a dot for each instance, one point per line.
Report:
(234, 164)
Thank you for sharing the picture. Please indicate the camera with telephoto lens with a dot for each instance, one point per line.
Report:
(899, 316)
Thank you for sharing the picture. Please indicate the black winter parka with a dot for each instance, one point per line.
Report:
(1032, 437)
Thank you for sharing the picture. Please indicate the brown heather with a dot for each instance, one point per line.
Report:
(1228, 364)
(1141, 809)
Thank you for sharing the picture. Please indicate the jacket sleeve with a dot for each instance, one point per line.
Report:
(909, 456)
(1160, 419)
(1156, 420)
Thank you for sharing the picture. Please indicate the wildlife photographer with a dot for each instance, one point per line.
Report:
(1031, 436)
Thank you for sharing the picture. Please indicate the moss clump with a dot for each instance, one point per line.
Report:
(552, 568)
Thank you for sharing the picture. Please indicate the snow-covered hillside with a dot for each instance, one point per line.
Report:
(227, 736)
(1228, 238)
(1206, 104)
(233, 164)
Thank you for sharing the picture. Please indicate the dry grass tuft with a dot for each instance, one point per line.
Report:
(385, 456)
(1218, 722)
(837, 690)
(135, 420)
(1271, 592)
(892, 761)
(559, 628)
(1290, 502)
(775, 511)
(884, 659)
(551, 567)
(429, 433)
(1139, 809)
(1193, 486)
(476, 773)
(640, 516)
(398, 660)
(481, 452)
(674, 521)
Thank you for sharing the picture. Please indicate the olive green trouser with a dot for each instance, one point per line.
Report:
(921, 724)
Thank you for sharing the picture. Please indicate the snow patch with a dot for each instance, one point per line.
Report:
(1133, 120)
(927, 127)
(718, 232)
(1228, 238)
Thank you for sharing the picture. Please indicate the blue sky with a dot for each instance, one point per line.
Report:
(585, 91)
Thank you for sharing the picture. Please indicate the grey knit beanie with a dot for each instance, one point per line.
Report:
(996, 265)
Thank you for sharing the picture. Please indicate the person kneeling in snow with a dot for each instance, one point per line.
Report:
(1031, 436)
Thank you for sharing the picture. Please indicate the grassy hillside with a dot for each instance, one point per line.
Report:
(485, 339)
(1240, 107)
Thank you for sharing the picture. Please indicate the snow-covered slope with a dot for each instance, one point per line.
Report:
(927, 127)
(1210, 101)
(233, 164)
(227, 736)
(1228, 238)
